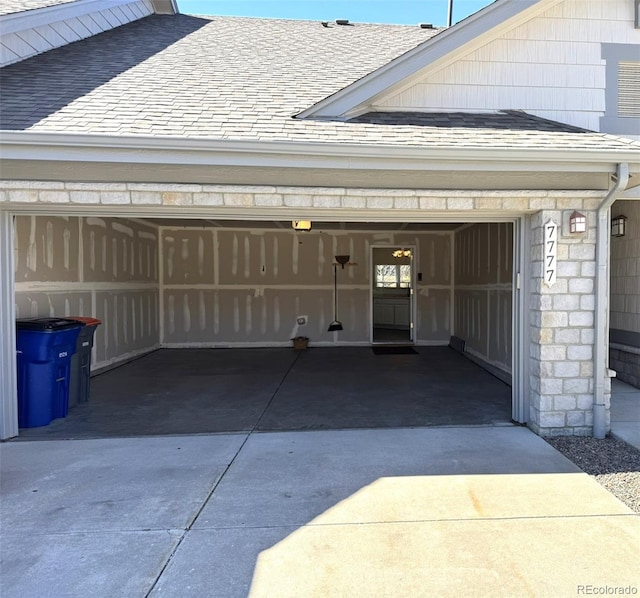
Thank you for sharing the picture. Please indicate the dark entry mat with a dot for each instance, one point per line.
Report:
(394, 350)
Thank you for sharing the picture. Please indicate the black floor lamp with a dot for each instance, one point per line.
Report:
(336, 324)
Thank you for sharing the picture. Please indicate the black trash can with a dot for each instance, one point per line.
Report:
(44, 348)
(80, 384)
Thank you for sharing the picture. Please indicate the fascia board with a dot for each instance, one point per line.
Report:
(446, 47)
(216, 152)
(21, 21)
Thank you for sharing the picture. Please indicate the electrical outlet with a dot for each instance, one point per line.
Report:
(302, 320)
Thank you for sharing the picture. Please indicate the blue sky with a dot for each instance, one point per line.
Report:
(407, 12)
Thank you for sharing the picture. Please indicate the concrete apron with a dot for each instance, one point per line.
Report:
(395, 512)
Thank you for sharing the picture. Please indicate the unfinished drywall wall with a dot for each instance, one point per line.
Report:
(99, 267)
(625, 295)
(229, 287)
(483, 292)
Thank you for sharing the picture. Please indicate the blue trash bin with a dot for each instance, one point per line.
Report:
(44, 349)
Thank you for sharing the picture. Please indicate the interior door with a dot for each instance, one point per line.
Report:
(392, 294)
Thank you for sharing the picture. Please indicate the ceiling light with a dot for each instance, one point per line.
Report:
(301, 225)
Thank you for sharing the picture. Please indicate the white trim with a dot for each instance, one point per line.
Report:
(29, 19)
(108, 364)
(520, 329)
(438, 51)
(253, 213)
(8, 380)
(30, 146)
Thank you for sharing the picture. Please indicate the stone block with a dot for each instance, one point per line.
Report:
(584, 401)
(564, 403)
(354, 202)
(433, 203)
(115, 197)
(566, 369)
(568, 269)
(269, 199)
(542, 203)
(327, 201)
(460, 203)
(553, 352)
(551, 419)
(379, 203)
(84, 196)
(406, 203)
(207, 198)
(488, 203)
(587, 302)
(587, 336)
(587, 268)
(566, 336)
(575, 418)
(516, 204)
(550, 386)
(23, 195)
(566, 302)
(54, 196)
(295, 201)
(580, 352)
(583, 251)
(581, 318)
(581, 285)
(172, 198)
(575, 386)
(50, 185)
(146, 197)
(554, 319)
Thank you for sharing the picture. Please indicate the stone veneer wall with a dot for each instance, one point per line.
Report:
(561, 318)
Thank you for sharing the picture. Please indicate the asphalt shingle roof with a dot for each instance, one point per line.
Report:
(237, 78)
(13, 6)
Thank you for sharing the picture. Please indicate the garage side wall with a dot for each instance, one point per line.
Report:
(234, 287)
(483, 293)
(98, 267)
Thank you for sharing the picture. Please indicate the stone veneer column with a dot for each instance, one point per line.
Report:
(562, 327)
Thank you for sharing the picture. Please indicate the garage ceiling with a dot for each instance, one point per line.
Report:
(317, 225)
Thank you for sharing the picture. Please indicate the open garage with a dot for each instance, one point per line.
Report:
(202, 313)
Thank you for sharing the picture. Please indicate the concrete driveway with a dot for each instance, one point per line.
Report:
(473, 511)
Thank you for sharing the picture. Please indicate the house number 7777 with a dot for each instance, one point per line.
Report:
(550, 252)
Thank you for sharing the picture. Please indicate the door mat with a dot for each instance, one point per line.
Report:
(394, 350)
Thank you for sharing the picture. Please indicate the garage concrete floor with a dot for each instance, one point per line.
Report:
(200, 391)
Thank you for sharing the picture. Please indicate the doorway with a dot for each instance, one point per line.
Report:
(392, 285)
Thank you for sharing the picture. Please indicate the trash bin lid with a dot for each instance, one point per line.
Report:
(86, 321)
(45, 324)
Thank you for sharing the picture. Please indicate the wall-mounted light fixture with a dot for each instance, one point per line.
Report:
(577, 223)
(304, 225)
(618, 226)
(398, 253)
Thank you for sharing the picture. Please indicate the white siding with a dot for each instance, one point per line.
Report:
(19, 45)
(521, 70)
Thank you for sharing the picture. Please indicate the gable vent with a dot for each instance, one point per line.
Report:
(628, 89)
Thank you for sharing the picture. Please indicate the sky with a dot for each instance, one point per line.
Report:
(405, 12)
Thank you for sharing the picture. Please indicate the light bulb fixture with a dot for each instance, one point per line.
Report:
(577, 223)
(618, 226)
(398, 253)
(304, 225)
